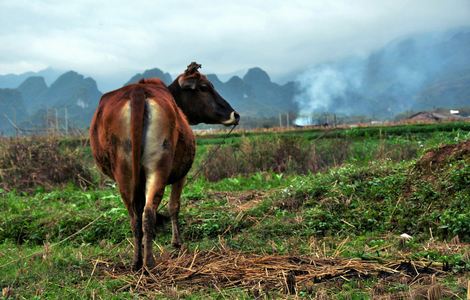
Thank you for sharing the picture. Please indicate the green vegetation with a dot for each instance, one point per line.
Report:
(355, 207)
(408, 130)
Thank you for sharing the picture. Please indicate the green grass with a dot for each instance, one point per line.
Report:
(413, 130)
(356, 210)
(294, 153)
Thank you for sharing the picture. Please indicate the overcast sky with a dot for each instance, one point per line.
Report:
(116, 39)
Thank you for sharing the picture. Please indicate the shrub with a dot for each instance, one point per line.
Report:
(30, 162)
(297, 155)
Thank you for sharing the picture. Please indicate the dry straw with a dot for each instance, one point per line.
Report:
(223, 268)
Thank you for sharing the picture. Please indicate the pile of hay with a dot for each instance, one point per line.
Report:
(225, 268)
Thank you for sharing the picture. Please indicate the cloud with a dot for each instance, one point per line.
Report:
(107, 38)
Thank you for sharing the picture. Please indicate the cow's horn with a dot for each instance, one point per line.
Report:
(192, 67)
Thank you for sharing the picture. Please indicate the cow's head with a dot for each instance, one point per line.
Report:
(199, 101)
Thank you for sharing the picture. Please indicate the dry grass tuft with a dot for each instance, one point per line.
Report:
(26, 163)
(223, 268)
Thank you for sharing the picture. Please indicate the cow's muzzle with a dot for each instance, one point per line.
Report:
(234, 119)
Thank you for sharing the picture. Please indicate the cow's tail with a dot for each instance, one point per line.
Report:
(137, 104)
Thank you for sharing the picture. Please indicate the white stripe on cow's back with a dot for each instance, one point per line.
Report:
(156, 132)
(126, 132)
(126, 115)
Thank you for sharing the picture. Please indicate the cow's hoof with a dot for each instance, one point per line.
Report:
(136, 266)
(150, 264)
(176, 245)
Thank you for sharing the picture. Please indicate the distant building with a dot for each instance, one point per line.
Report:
(434, 116)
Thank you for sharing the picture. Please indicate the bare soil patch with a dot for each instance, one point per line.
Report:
(241, 201)
(438, 158)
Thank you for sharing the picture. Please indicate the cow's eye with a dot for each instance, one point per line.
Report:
(204, 87)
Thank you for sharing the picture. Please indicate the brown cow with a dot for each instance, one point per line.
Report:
(141, 138)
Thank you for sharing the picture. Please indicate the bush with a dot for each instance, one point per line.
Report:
(297, 155)
(27, 163)
(275, 154)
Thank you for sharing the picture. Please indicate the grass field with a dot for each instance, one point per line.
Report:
(308, 213)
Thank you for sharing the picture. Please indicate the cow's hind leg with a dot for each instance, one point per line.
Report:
(136, 226)
(135, 206)
(154, 193)
(174, 209)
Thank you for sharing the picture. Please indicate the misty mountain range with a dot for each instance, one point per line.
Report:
(34, 104)
(418, 72)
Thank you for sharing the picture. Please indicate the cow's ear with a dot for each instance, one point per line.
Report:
(187, 83)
